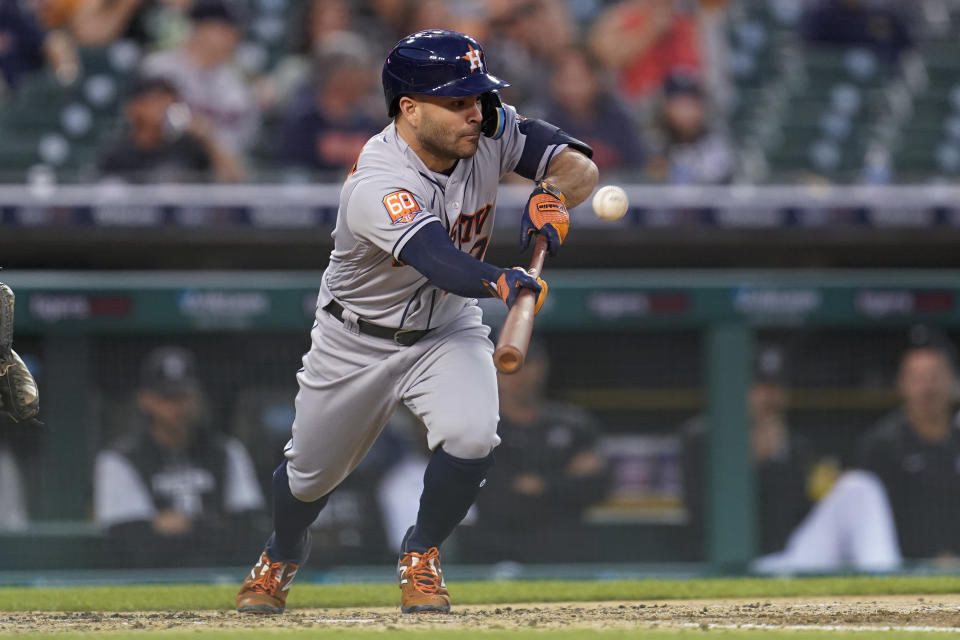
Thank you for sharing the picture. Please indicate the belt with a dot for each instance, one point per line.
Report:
(403, 337)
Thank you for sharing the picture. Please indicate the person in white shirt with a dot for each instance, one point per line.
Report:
(203, 72)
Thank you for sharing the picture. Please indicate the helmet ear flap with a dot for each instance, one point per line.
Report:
(493, 116)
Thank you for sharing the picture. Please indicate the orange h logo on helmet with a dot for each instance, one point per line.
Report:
(473, 57)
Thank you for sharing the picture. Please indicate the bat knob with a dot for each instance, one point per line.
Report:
(508, 359)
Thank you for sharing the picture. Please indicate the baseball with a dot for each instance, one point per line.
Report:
(610, 202)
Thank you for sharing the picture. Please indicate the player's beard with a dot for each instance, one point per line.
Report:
(442, 142)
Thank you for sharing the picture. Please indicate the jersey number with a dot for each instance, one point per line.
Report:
(401, 207)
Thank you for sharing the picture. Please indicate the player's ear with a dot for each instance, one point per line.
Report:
(409, 109)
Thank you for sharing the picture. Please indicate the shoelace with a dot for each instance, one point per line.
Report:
(268, 581)
(425, 577)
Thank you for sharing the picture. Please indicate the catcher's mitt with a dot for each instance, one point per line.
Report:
(18, 390)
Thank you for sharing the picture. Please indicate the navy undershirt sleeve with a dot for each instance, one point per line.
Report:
(540, 136)
(431, 252)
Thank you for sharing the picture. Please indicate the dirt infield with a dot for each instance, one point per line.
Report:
(859, 612)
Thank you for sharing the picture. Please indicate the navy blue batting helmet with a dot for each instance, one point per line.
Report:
(436, 62)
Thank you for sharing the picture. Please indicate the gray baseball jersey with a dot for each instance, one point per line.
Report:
(389, 196)
(351, 382)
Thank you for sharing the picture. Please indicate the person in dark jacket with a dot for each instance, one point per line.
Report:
(580, 104)
(915, 451)
(175, 492)
(161, 140)
(880, 26)
(548, 470)
(899, 502)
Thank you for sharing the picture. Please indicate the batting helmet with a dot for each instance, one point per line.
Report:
(436, 62)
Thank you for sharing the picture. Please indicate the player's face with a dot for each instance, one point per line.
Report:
(218, 40)
(449, 128)
(171, 412)
(926, 381)
(147, 114)
(685, 114)
(766, 400)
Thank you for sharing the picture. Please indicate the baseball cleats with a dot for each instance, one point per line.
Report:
(422, 588)
(265, 589)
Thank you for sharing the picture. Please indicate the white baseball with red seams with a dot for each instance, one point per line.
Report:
(610, 202)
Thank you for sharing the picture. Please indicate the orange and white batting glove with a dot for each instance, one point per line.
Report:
(512, 281)
(546, 213)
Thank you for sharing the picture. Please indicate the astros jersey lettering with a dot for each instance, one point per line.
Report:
(391, 195)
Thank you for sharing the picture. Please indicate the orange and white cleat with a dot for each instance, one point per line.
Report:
(422, 588)
(265, 589)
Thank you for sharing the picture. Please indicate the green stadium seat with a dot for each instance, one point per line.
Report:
(95, 60)
(17, 154)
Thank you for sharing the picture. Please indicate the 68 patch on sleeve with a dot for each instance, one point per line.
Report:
(401, 206)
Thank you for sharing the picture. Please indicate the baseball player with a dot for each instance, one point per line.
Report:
(18, 391)
(397, 317)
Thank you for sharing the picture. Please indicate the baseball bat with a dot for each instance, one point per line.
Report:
(515, 335)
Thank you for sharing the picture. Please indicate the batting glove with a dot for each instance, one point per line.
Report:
(546, 213)
(511, 281)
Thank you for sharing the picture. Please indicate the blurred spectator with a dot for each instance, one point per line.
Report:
(55, 14)
(385, 21)
(21, 43)
(26, 47)
(96, 23)
(781, 457)
(429, 14)
(13, 509)
(174, 491)
(850, 528)
(323, 18)
(321, 27)
(915, 451)
(713, 29)
(524, 37)
(329, 122)
(901, 502)
(580, 105)
(403, 452)
(548, 471)
(878, 25)
(462, 16)
(688, 152)
(161, 141)
(643, 40)
(202, 70)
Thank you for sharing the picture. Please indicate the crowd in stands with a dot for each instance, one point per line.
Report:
(263, 89)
